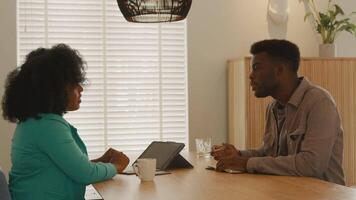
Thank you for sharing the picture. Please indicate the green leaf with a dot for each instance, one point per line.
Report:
(341, 22)
(329, 23)
(338, 10)
(324, 20)
(351, 28)
(331, 15)
(307, 15)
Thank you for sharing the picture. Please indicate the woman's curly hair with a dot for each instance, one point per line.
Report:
(39, 85)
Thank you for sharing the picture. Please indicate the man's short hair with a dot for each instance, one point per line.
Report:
(279, 49)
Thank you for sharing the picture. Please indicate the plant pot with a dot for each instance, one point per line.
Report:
(327, 50)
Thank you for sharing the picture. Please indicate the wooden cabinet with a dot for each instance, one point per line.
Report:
(247, 113)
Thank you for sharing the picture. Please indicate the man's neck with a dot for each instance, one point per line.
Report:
(286, 91)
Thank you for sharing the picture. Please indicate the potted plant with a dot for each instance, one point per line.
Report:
(329, 24)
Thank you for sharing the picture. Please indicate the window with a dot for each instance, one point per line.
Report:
(137, 73)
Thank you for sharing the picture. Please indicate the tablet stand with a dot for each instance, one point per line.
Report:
(179, 162)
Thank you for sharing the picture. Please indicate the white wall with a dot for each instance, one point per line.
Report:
(7, 62)
(217, 31)
(346, 43)
(225, 29)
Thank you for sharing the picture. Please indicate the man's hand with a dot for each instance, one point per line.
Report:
(224, 151)
(235, 163)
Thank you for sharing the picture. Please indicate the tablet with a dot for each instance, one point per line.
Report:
(167, 157)
(164, 152)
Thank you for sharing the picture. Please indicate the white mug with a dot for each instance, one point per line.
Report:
(145, 168)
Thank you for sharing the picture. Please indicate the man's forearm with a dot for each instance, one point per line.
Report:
(301, 164)
(252, 153)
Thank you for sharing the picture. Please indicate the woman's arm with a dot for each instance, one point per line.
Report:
(57, 142)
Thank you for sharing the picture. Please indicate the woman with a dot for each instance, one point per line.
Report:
(49, 160)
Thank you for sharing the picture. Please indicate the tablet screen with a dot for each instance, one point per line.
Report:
(164, 152)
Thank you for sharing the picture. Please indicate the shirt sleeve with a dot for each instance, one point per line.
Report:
(57, 142)
(252, 153)
(322, 130)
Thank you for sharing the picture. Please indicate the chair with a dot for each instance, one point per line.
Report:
(4, 189)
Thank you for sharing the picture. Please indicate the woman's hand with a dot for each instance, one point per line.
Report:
(117, 158)
(106, 157)
(120, 160)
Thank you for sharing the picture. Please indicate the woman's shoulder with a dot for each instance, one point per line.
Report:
(45, 121)
(45, 127)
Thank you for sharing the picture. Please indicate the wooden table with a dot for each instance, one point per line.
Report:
(199, 183)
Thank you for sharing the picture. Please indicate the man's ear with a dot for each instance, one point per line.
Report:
(280, 68)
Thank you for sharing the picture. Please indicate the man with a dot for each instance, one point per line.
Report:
(303, 133)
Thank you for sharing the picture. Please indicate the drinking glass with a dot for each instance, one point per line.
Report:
(203, 146)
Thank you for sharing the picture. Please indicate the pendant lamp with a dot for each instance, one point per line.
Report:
(153, 11)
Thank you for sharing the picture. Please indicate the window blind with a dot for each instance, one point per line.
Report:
(137, 73)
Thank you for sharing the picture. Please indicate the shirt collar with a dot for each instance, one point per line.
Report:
(53, 116)
(57, 117)
(298, 94)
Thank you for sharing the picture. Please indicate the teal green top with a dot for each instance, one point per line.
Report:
(49, 161)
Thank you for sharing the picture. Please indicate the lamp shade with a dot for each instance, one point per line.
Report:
(153, 11)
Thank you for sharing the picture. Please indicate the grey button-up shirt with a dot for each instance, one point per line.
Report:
(313, 134)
